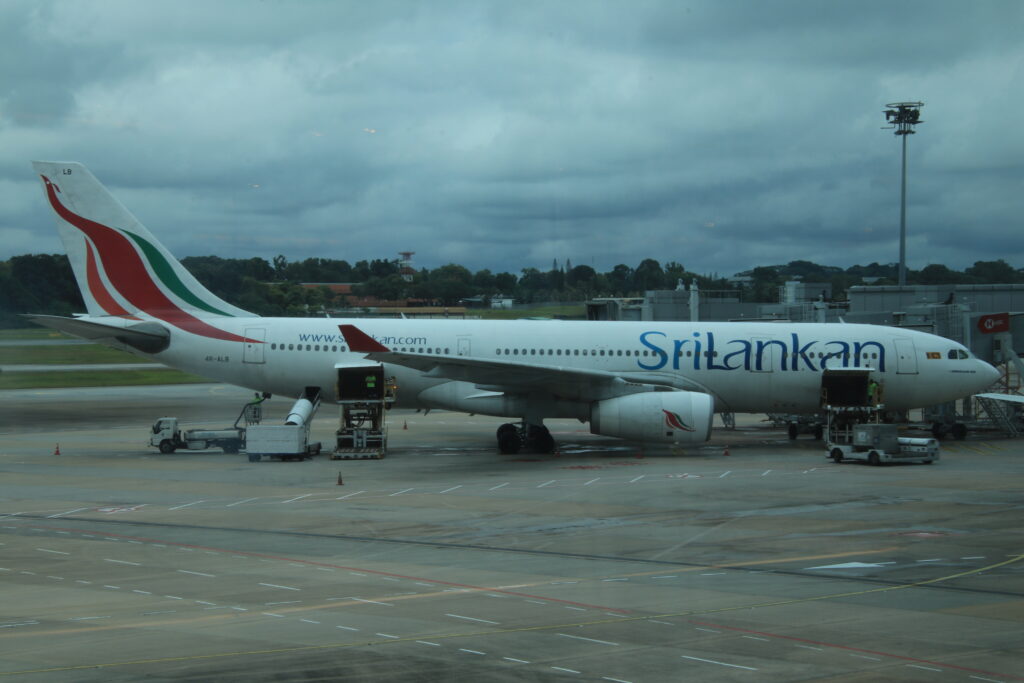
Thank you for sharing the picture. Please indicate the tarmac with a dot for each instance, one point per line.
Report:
(752, 557)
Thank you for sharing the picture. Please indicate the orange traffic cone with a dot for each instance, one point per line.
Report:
(405, 424)
(341, 482)
(639, 455)
(56, 451)
(726, 452)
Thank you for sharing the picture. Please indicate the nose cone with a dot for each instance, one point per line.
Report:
(987, 375)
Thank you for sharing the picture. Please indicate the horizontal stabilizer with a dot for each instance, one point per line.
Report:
(146, 337)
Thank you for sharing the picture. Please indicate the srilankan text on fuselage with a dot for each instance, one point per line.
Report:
(756, 354)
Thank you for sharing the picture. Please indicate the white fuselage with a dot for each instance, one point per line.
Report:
(746, 367)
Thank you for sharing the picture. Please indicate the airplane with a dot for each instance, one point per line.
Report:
(658, 382)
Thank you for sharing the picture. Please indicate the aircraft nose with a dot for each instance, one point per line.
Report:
(988, 374)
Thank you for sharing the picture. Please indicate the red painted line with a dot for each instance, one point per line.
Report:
(860, 650)
(355, 569)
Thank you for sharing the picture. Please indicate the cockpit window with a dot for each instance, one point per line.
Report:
(952, 354)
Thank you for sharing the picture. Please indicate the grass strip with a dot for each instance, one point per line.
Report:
(95, 378)
(65, 354)
(31, 333)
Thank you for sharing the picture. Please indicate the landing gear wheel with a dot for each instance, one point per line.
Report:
(509, 441)
(540, 439)
(959, 431)
(793, 431)
(166, 446)
(873, 459)
(938, 430)
(507, 427)
(837, 455)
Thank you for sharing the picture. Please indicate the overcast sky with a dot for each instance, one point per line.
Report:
(503, 135)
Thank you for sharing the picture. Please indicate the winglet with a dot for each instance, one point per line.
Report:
(361, 342)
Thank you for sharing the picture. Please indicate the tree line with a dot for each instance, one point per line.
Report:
(44, 283)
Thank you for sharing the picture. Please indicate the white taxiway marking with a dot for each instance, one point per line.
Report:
(482, 621)
(372, 602)
(873, 659)
(636, 479)
(562, 668)
(667, 576)
(591, 481)
(55, 552)
(707, 629)
(990, 680)
(349, 495)
(935, 559)
(655, 621)
(271, 614)
(398, 493)
(24, 623)
(274, 585)
(136, 590)
(427, 642)
(546, 483)
(723, 475)
(86, 618)
(591, 640)
(926, 668)
(195, 502)
(186, 571)
(756, 638)
(239, 502)
(614, 680)
(973, 557)
(135, 564)
(116, 588)
(347, 628)
(513, 659)
(764, 475)
(809, 647)
(847, 565)
(387, 635)
(711, 661)
(495, 488)
(309, 621)
(61, 514)
(173, 597)
(204, 602)
(292, 500)
(446, 491)
(283, 602)
(472, 652)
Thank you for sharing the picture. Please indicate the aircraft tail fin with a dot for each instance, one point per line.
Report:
(121, 268)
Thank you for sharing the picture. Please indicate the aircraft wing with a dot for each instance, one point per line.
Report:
(1011, 398)
(516, 376)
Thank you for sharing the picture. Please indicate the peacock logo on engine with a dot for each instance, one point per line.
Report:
(673, 421)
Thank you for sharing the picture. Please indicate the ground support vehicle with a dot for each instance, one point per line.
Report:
(289, 441)
(167, 436)
(875, 443)
(364, 397)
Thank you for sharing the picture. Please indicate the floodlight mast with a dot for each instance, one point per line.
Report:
(903, 116)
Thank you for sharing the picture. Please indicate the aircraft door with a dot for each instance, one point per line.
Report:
(253, 352)
(906, 356)
(463, 347)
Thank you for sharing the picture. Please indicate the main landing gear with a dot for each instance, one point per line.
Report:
(513, 437)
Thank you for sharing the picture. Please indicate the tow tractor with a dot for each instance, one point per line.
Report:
(166, 435)
(854, 430)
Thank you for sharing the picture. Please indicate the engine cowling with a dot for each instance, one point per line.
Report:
(662, 416)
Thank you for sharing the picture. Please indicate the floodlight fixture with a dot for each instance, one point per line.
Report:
(902, 117)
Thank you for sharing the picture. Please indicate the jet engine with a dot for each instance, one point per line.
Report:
(661, 416)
